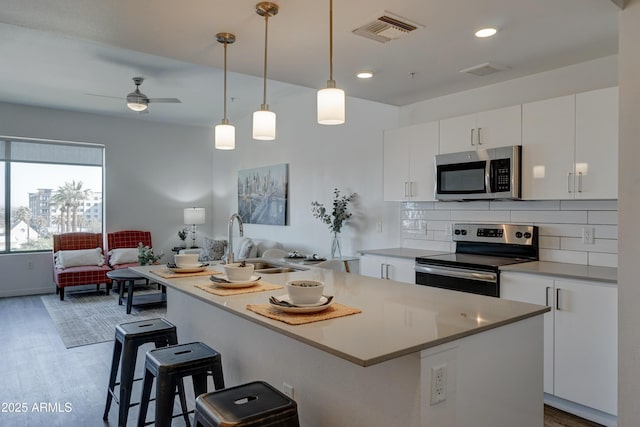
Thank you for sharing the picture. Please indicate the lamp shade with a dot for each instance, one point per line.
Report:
(225, 137)
(194, 216)
(264, 125)
(331, 108)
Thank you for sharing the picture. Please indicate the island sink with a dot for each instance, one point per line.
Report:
(263, 267)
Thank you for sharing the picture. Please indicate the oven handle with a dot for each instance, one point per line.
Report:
(458, 273)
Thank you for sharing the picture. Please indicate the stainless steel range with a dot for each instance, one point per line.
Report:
(481, 249)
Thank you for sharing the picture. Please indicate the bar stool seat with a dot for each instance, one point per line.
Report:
(169, 365)
(128, 338)
(254, 404)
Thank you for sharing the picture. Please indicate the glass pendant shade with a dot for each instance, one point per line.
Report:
(331, 110)
(136, 106)
(264, 125)
(225, 136)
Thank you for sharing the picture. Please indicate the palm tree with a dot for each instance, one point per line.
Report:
(69, 198)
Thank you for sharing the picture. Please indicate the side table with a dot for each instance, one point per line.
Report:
(126, 279)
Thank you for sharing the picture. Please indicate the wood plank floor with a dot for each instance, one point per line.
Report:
(60, 387)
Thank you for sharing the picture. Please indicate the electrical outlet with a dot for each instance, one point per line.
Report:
(588, 235)
(287, 389)
(438, 384)
(30, 265)
(379, 226)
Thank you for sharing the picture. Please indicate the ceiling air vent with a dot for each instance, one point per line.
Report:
(482, 69)
(387, 27)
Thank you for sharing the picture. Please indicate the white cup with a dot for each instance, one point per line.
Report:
(304, 291)
(186, 260)
(238, 271)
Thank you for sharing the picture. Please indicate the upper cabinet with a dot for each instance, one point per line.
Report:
(596, 160)
(570, 147)
(409, 154)
(488, 129)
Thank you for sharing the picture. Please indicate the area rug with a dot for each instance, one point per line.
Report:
(85, 318)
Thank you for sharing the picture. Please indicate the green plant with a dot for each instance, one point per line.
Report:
(146, 255)
(183, 233)
(339, 214)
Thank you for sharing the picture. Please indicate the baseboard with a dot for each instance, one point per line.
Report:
(25, 292)
(585, 412)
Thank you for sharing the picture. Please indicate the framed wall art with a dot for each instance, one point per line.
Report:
(263, 194)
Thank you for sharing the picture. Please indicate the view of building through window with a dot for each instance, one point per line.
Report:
(47, 199)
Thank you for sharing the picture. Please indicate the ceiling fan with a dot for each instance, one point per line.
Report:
(138, 101)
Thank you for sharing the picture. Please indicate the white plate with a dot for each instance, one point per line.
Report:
(237, 283)
(187, 270)
(303, 308)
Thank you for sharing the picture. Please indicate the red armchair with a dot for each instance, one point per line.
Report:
(83, 274)
(126, 239)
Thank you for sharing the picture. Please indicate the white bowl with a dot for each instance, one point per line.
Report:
(186, 260)
(304, 291)
(236, 272)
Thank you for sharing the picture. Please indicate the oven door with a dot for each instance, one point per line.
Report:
(459, 279)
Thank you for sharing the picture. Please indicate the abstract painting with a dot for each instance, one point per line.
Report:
(262, 195)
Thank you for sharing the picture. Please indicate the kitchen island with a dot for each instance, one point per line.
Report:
(375, 368)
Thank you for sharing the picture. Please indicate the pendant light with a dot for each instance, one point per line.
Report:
(264, 121)
(331, 101)
(225, 134)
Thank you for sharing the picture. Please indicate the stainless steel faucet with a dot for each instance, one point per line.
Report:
(230, 236)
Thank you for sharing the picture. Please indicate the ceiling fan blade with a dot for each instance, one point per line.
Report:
(104, 96)
(166, 100)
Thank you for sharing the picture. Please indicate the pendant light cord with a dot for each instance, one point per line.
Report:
(330, 39)
(266, 35)
(225, 82)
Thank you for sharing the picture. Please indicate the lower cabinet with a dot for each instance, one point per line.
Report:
(390, 268)
(580, 336)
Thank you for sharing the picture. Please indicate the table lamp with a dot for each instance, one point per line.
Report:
(193, 216)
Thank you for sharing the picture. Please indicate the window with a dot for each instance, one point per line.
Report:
(48, 187)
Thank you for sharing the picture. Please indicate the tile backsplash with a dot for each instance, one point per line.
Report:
(426, 225)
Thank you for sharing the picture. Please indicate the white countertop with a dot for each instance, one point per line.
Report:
(401, 252)
(397, 318)
(567, 271)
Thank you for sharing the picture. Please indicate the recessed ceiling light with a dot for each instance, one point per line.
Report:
(486, 32)
(364, 75)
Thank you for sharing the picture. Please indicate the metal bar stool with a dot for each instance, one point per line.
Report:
(129, 336)
(253, 404)
(169, 366)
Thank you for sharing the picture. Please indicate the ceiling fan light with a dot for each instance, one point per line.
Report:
(264, 125)
(331, 106)
(137, 106)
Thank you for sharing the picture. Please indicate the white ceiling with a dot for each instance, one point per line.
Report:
(54, 53)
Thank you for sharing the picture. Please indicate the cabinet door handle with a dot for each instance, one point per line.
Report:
(405, 189)
(569, 186)
(579, 182)
(546, 296)
(411, 193)
(558, 299)
(472, 131)
(387, 272)
(381, 271)
(479, 136)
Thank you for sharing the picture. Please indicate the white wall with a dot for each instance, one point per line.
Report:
(629, 206)
(154, 170)
(320, 158)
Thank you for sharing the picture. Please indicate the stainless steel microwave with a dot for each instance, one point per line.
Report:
(492, 173)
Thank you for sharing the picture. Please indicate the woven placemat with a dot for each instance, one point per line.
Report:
(168, 274)
(335, 310)
(260, 286)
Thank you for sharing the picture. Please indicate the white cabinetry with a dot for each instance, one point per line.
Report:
(390, 268)
(409, 169)
(488, 129)
(580, 358)
(570, 147)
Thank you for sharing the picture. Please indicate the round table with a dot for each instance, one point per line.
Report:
(125, 277)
